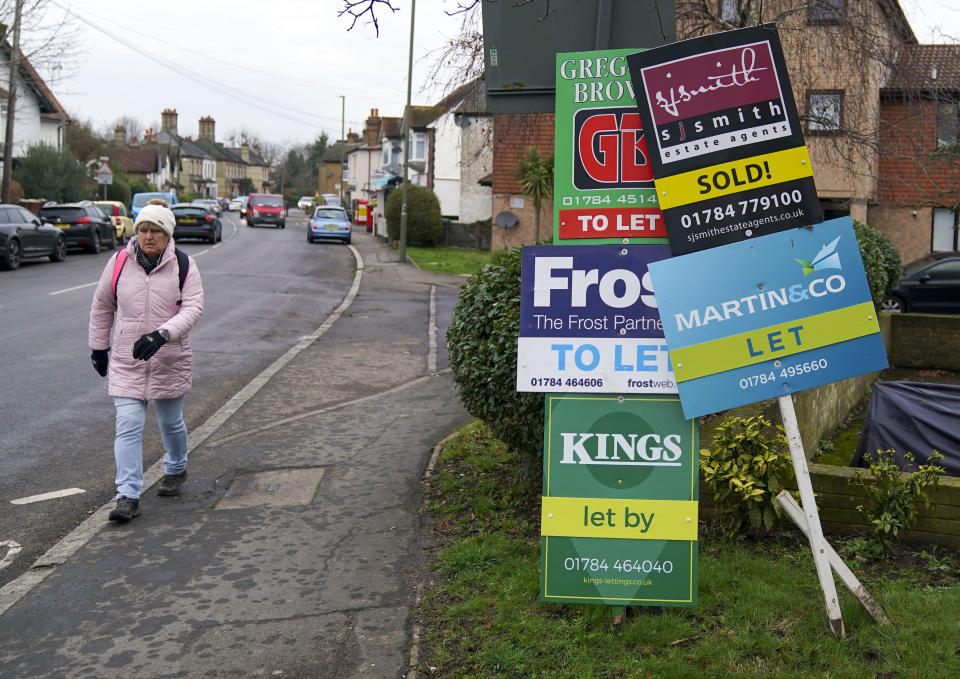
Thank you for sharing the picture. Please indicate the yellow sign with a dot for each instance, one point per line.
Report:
(733, 177)
(774, 341)
(580, 517)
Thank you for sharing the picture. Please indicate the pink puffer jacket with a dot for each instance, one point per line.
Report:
(144, 304)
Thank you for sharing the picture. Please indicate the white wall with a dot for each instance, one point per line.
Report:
(476, 162)
(446, 172)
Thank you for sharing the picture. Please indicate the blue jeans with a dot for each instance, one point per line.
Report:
(127, 448)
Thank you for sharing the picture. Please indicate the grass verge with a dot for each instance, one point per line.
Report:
(760, 612)
(460, 261)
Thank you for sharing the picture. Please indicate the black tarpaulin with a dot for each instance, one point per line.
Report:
(913, 417)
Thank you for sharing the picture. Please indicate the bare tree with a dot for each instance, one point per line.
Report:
(49, 38)
(133, 128)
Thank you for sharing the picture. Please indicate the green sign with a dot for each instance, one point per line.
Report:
(603, 180)
(620, 489)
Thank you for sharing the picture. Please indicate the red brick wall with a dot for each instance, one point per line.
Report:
(908, 228)
(912, 172)
(512, 135)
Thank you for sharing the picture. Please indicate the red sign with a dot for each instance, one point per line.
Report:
(628, 222)
(610, 150)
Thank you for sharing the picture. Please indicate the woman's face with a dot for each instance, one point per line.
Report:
(152, 239)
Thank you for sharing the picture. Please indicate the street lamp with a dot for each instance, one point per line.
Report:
(406, 141)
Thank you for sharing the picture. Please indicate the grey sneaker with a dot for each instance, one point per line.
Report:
(126, 509)
(170, 484)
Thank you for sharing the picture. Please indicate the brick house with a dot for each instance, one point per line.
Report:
(838, 55)
(919, 192)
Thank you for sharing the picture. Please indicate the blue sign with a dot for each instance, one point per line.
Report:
(589, 321)
(763, 318)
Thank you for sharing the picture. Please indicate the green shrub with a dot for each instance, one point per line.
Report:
(482, 340)
(45, 172)
(881, 261)
(894, 495)
(746, 471)
(424, 222)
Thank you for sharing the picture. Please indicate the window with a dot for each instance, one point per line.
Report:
(944, 230)
(827, 11)
(729, 11)
(946, 124)
(824, 111)
(419, 146)
(944, 271)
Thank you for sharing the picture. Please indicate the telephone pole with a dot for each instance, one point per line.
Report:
(343, 140)
(406, 142)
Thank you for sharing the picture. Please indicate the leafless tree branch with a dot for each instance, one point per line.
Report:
(359, 8)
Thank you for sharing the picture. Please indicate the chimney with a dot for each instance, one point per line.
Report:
(371, 128)
(353, 137)
(168, 120)
(207, 126)
(245, 152)
(119, 135)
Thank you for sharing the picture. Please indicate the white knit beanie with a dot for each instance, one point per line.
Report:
(159, 215)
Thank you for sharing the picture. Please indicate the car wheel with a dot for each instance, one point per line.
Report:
(59, 251)
(219, 234)
(283, 225)
(94, 247)
(894, 305)
(112, 242)
(11, 260)
(346, 242)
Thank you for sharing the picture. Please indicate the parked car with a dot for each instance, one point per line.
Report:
(266, 208)
(211, 203)
(117, 213)
(23, 235)
(305, 202)
(929, 285)
(196, 221)
(330, 199)
(141, 199)
(224, 203)
(82, 223)
(329, 222)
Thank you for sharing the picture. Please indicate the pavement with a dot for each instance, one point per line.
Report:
(293, 548)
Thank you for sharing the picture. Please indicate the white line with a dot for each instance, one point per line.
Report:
(432, 332)
(52, 495)
(13, 549)
(76, 287)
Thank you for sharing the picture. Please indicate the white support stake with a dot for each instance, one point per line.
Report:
(814, 532)
(846, 576)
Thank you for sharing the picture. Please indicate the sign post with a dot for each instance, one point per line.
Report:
(104, 175)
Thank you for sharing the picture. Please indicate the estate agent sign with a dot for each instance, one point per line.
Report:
(768, 317)
(589, 321)
(725, 140)
(603, 186)
(619, 514)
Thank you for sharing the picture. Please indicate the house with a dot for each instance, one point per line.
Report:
(137, 162)
(838, 54)
(463, 154)
(230, 167)
(331, 173)
(919, 192)
(364, 163)
(40, 119)
(257, 170)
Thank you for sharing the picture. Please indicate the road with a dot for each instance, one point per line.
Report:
(265, 288)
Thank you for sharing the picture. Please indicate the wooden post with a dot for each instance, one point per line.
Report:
(845, 574)
(814, 532)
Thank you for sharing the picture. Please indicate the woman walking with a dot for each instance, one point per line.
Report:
(151, 295)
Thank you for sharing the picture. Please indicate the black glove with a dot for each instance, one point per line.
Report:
(148, 345)
(100, 358)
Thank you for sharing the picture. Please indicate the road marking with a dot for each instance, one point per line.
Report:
(76, 287)
(202, 252)
(432, 333)
(52, 495)
(13, 549)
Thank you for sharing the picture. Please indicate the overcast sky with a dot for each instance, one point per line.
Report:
(277, 68)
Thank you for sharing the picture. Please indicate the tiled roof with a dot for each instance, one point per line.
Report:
(926, 67)
(334, 151)
(136, 160)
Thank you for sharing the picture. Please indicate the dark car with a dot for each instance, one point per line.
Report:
(196, 221)
(266, 208)
(83, 224)
(23, 235)
(211, 203)
(930, 285)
